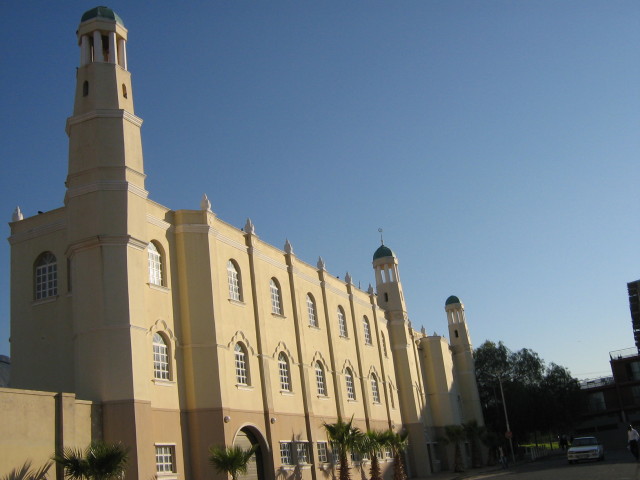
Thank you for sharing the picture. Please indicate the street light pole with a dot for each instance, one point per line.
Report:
(506, 418)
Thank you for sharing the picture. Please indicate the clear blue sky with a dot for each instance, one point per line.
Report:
(496, 142)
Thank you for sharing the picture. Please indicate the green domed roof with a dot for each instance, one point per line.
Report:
(451, 300)
(383, 251)
(101, 12)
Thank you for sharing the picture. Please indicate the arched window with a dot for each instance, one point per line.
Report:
(342, 323)
(320, 379)
(233, 278)
(276, 297)
(242, 372)
(375, 393)
(155, 264)
(351, 391)
(161, 369)
(384, 344)
(46, 276)
(311, 311)
(367, 330)
(283, 369)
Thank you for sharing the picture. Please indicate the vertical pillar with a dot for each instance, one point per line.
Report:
(85, 51)
(122, 53)
(113, 55)
(97, 47)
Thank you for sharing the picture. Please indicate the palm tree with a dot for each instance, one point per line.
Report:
(26, 473)
(372, 443)
(344, 437)
(455, 434)
(398, 443)
(99, 461)
(231, 460)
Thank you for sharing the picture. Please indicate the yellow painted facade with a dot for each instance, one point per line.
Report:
(182, 331)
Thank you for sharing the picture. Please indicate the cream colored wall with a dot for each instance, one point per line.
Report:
(28, 426)
(438, 372)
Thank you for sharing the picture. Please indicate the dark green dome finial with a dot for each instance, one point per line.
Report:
(101, 12)
(383, 251)
(451, 300)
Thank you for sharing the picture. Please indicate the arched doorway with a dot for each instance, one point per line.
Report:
(246, 438)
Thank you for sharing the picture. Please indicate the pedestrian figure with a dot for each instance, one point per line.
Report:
(632, 441)
(503, 458)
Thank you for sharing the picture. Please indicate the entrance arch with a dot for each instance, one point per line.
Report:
(247, 437)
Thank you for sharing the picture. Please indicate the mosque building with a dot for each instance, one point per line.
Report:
(172, 330)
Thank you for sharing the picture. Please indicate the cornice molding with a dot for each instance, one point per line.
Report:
(39, 231)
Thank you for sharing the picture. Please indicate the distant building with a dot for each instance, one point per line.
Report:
(634, 306)
(173, 330)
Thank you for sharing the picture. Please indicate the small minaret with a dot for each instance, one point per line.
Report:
(463, 364)
(403, 348)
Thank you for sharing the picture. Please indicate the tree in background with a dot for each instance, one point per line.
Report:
(344, 437)
(474, 433)
(398, 443)
(372, 443)
(25, 472)
(231, 460)
(454, 434)
(99, 461)
(539, 398)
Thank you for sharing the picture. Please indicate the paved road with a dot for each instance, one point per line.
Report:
(618, 465)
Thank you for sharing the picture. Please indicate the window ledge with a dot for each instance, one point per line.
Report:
(368, 344)
(323, 397)
(42, 301)
(287, 393)
(239, 303)
(351, 400)
(278, 315)
(242, 386)
(344, 337)
(164, 383)
(167, 475)
(314, 327)
(160, 288)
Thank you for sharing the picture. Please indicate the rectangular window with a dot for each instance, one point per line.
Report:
(165, 458)
(286, 457)
(302, 452)
(323, 456)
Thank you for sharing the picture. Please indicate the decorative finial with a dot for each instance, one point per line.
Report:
(423, 330)
(17, 215)
(249, 228)
(381, 239)
(370, 290)
(321, 265)
(347, 278)
(205, 204)
(287, 247)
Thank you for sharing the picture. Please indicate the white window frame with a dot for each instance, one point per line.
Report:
(302, 452)
(233, 279)
(323, 452)
(240, 358)
(342, 324)
(321, 381)
(375, 391)
(161, 364)
(311, 310)
(284, 372)
(155, 264)
(286, 453)
(276, 297)
(351, 390)
(165, 459)
(367, 330)
(46, 276)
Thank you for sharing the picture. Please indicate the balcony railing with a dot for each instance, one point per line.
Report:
(595, 382)
(624, 353)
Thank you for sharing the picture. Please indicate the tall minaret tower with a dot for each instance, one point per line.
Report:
(405, 357)
(463, 364)
(106, 206)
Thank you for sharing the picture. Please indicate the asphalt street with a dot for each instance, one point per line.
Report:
(618, 465)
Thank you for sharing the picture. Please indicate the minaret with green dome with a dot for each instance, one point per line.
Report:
(403, 347)
(462, 355)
